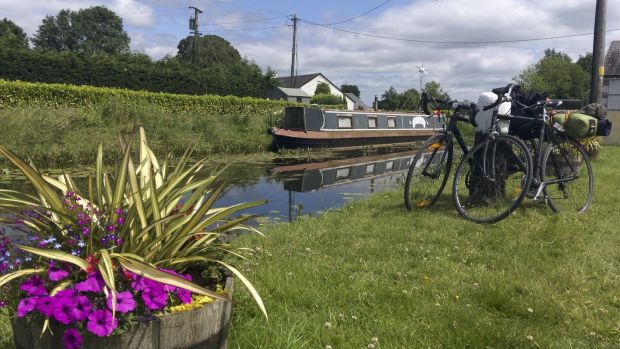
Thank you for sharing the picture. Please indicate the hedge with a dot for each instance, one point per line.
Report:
(26, 94)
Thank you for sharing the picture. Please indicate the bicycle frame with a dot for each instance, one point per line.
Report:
(549, 134)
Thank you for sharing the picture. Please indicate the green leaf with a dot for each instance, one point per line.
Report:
(248, 285)
(151, 273)
(58, 255)
(35, 178)
(16, 274)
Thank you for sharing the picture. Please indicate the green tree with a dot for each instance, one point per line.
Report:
(322, 88)
(390, 99)
(11, 35)
(350, 89)
(409, 100)
(207, 50)
(92, 30)
(555, 74)
(433, 89)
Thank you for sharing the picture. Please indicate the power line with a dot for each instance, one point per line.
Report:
(361, 15)
(244, 21)
(248, 29)
(446, 41)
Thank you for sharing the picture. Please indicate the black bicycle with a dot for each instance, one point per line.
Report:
(562, 176)
(431, 166)
(494, 177)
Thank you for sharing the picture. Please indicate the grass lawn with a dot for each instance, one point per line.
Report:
(373, 270)
(433, 280)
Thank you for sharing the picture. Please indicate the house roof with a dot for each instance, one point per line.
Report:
(299, 80)
(293, 92)
(612, 59)
(356, 100)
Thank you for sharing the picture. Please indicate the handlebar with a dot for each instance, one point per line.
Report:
(501, 93)
(454, 105)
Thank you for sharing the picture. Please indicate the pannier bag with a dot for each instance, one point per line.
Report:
(576, 125)
(599, 112)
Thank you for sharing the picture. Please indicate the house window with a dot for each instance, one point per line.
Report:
(389, 166)
(345, 122)
(343, 173)
(299, 100)
(391, 122)
(370, 169)
(372, 122)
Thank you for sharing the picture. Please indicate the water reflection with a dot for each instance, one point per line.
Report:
(296, 190)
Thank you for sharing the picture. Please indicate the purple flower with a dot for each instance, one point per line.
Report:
(72, 339)
(66, 293)
(56, 274)
(154, 299)
(25, 306)
(34, 286)
(93, 283)
(184, 295)
(63, 309)
(100, 323)
(81, 308)
(124, 302)
(45, 306)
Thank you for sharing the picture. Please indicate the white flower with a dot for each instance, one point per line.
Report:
(328, 324)
(530, 337)
(328, 347)
(375, 339)
(530, 310)
(371, 346)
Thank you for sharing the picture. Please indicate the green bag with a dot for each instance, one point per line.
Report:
(576, 125)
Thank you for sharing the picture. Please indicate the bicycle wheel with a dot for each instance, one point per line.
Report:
(568, 168)
(428, 172)
(492, 179)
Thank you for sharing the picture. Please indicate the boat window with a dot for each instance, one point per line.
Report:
(372, 122)
(370, 169)
(389, 165)
(344, 122)
(343, 173)
(391, 122)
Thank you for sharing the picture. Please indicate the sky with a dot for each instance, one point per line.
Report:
(450, 38)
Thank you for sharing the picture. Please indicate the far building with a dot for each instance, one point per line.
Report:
(303, 85)
(611, 79)
(611, 90)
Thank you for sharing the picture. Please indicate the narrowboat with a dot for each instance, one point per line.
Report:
(304, 127)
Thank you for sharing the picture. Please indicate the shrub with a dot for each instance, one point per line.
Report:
(326, 99)
(24, 94)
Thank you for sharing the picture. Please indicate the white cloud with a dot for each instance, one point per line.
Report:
(374, 64)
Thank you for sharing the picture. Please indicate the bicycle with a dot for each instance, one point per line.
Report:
(493, 178)
(562, 176)
(431, 166)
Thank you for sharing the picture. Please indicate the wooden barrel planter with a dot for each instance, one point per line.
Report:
(204, 328)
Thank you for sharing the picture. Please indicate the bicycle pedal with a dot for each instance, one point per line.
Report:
(543, 200)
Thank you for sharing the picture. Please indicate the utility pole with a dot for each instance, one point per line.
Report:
(293, 56)
(193, 22)
(598, 52)
(193, 27)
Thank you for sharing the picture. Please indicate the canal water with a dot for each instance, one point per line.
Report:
(297, 189)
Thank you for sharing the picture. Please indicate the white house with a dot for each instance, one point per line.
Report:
(309, 82)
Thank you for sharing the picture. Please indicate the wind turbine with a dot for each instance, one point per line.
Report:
(422, 71)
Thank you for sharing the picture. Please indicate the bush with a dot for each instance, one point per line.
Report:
(326, 99)
(25, 94)
(135, 72)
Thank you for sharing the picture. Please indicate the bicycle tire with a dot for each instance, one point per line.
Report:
(489, 200)
(428, 172)
(568, 159)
